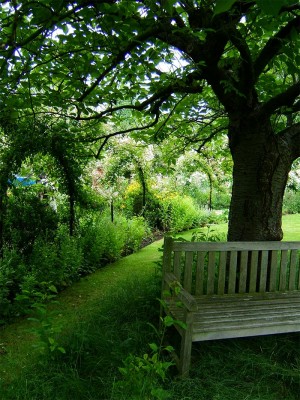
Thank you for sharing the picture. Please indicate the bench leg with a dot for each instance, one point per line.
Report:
(186, 347)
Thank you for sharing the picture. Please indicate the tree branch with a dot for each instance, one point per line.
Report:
(284, 99)
(136, 41)
(122, 132)
(274, 45)
(186, 85)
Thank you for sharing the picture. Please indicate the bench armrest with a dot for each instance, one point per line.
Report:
(184, 296)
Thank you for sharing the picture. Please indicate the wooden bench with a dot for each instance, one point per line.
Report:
(230, 289)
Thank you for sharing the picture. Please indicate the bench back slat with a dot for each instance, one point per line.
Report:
(200, 273)
(177, 265)
(253, 271)
(263, 271)
(222, 272)
(232, 272)
(293, 270)
(211, 273)
(234, 267)
(187, 281)
(243, 272)
(283, 269)
(273, 270)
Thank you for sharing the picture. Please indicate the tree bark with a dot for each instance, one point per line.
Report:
(262, 162)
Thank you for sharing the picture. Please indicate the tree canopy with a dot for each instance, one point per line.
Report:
(206, 66)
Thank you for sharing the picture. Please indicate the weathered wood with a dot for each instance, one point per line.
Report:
(293, 270)
(243, 272)
(232, 289)
(188, 268)
(253, 271)
(177, 266)
(234, 246)
(263, 271)
(273, 272)
(199, 273)
(283, 269)
(186, 345)
(232, 272)
(222, 273)
(211, 273)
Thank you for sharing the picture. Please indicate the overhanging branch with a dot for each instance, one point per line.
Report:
(274, 45)
(122, 132)
(284, 99)
(136, 41)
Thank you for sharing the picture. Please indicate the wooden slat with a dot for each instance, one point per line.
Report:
(167, 256)
(222, 272)
(273, 271)
(188, 266)
(293, 270)
(243, 272)
(283, 270)
(253, 272)
(200, 273)
(234, 246)
(232, 272)
(177, 265)
(263, 271)
(211, 272)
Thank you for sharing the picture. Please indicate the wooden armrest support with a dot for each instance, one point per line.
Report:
(185, 297)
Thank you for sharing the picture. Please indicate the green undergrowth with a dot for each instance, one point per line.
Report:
(107, 322)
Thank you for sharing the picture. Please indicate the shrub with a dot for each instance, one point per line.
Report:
(178, 213)
(291, 202)
(12, 272)
(136, 230)
(27, 218)
(103, 241)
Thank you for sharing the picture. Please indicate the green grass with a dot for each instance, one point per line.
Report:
(106, 316)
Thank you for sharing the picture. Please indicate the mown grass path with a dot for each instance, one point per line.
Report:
(74, 304)
(105, 316)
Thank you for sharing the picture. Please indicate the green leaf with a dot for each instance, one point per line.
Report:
(168, 321)
(223, 6)
(53, 288)
(153, 346)
(62, 350)
(271, 7)
(168, 5)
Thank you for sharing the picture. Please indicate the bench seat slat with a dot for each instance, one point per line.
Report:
(234, 314)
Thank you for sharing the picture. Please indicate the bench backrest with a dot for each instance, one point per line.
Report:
(233, 267)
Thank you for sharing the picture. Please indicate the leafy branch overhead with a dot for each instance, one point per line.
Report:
(160, 63)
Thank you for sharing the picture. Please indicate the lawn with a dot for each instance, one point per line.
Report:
(113, 313)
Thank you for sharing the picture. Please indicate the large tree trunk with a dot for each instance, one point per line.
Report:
(262, 162)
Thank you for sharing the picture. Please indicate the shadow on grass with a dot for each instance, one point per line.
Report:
(265, 368)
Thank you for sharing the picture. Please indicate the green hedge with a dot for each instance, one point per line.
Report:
(57, 263)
